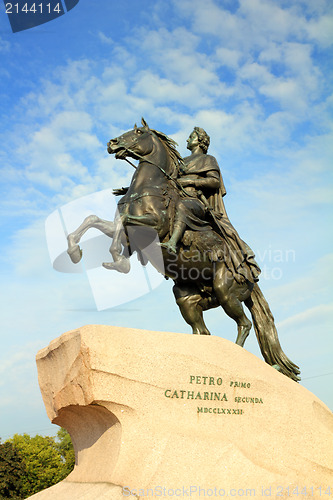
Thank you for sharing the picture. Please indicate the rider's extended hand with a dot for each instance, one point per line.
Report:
(120, 191)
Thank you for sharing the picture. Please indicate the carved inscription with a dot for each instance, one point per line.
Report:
(232, 393)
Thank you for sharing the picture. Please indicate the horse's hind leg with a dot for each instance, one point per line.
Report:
(188, 300)
(73, 250)
(229, 294)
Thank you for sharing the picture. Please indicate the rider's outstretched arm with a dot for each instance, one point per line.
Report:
(120, 191)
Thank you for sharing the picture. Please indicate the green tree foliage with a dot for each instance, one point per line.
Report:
(66, 450)
(39, 462)
(12, 471)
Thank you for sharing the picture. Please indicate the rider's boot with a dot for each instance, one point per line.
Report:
(177, 233)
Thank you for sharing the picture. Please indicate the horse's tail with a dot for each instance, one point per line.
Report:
(267, 336)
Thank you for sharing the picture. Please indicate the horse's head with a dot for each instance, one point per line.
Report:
(135, 143)
(142, 141)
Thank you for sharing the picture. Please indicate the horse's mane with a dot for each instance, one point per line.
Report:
(176, 160)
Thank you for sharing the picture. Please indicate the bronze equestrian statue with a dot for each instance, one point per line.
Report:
(181, 200)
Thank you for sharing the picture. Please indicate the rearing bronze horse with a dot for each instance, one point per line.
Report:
(198, 269)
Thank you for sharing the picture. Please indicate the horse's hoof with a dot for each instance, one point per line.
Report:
(122, 266)
(75, 254)
(169, 247)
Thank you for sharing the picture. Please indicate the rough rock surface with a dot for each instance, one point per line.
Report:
(152, 410)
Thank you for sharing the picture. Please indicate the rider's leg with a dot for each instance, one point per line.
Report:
(227, 291)
(183, 208)
(190, 212)
(178, 231)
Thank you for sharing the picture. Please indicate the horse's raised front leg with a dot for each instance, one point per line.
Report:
(73, 250)
(188, 300)
(120, 262)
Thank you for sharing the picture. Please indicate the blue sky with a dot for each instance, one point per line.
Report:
(256, 74)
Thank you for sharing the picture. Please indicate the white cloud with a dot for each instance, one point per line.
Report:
(4, 45)
(273, 40)
(18, 359)
(18, 368)
(105, 39)
(229, 57)
(310, 292)
(313, 315)
(286, 92)
(213, 20)
(258, 22)
(320, 30)
(162, 91)
(182, 64)
(83, 100)
(267, 21)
